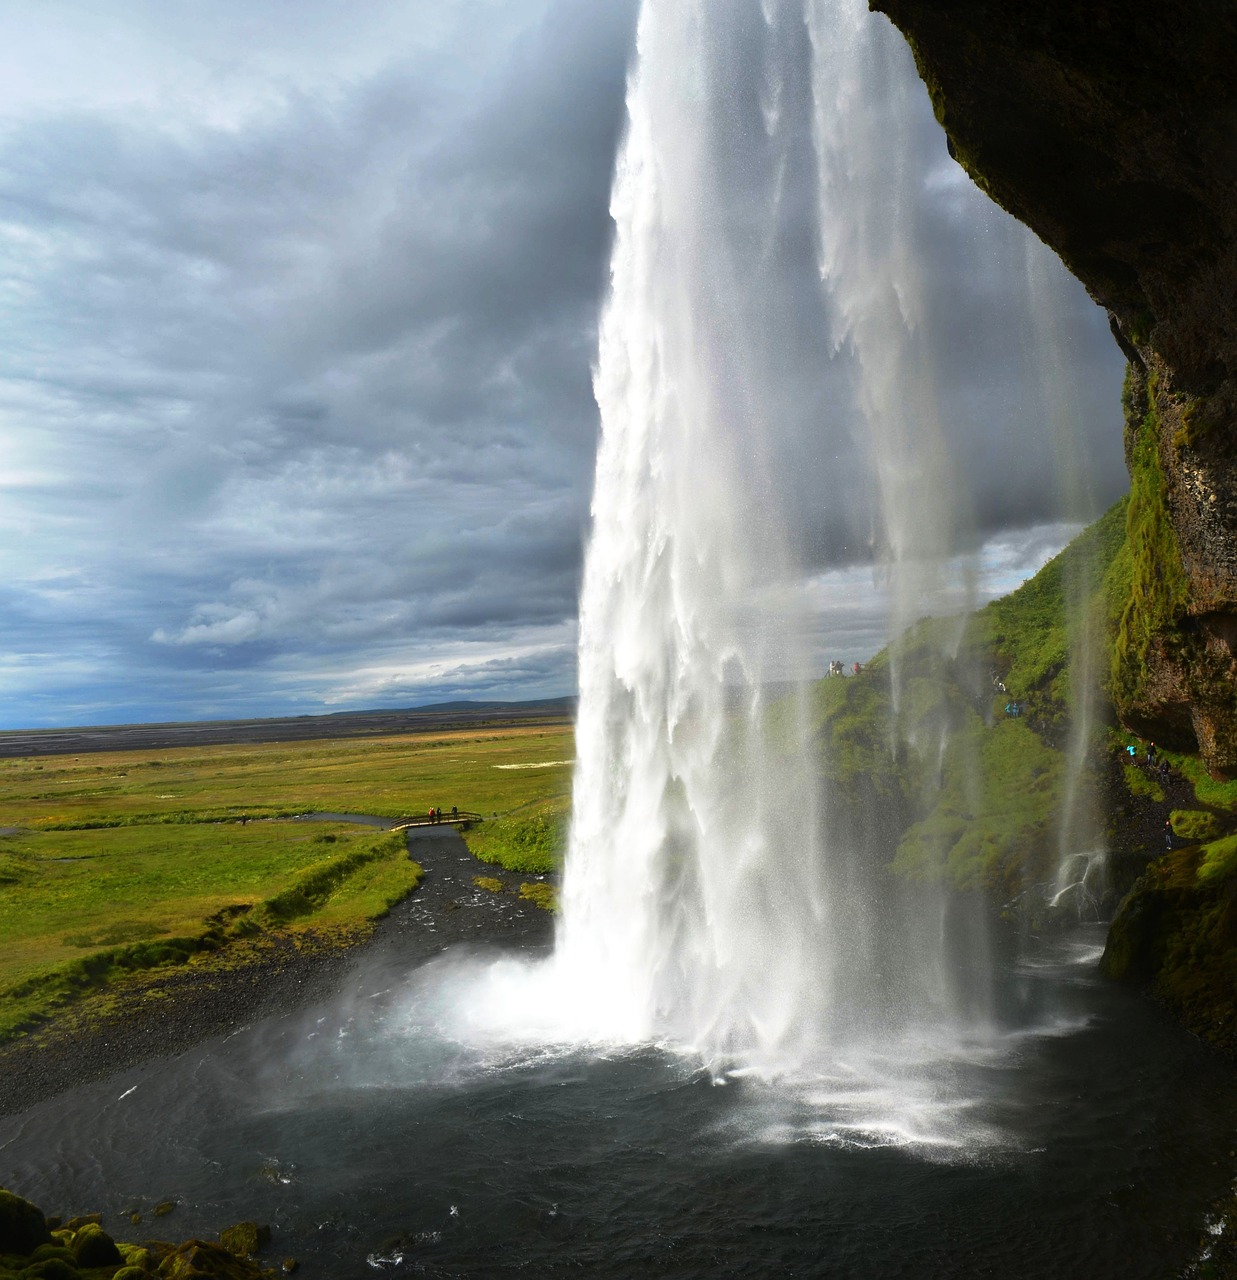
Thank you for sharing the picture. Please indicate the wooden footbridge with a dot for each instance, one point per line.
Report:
(458, 818)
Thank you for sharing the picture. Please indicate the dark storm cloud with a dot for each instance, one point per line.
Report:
(298, 324)
(311, 382)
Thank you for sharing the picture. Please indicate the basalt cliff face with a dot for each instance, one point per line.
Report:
(1111, 130)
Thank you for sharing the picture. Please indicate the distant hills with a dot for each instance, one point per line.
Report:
(336, 724)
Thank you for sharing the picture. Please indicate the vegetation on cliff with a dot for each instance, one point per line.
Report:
(965, 779)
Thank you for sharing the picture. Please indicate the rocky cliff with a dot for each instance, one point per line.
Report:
(1111, 130)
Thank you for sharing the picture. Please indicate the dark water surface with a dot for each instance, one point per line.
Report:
(1089, 1141)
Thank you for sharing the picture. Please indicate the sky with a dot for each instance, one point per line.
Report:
(296, 351)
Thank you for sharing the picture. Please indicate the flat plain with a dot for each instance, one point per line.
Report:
(118, 861)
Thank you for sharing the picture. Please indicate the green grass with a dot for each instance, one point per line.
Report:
(1156, 588)
(389, 777)
(1140, 784)
(532, 839)
(1219, 860)
(133, 860)
(963, 793)
(997, 836)
(93, 905)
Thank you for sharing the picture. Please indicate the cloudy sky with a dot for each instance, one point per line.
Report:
(298, 324)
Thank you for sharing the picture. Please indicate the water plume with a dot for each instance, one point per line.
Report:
(693, 908)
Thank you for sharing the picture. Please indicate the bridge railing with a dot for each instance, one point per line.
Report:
(460, 818)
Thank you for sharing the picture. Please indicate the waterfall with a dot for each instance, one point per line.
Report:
(1081, 880)
(713, 900)
(693, 905)
(703, 903)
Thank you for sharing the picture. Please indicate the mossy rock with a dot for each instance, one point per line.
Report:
(540, 894)
(201, 1260)
(245, 1238)
(54, 1250)
(22, 1225)
(132, 1273)
(93, 1247)
(1131, 952)
(51, 1269)
(1195, 825)
(136, 1255)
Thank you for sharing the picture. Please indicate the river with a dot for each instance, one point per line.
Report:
(1086, 1136)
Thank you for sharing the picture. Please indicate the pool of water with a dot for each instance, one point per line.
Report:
(1083, 1137)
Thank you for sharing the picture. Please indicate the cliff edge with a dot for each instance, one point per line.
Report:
(1111, 131)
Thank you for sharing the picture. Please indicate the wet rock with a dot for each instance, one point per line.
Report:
(76, 1224)
(201, 1260)
(164, 1208)
(22, 1225)
(56, 1250)
(1107, 129)
(245, 1238)
(93, 1247)
(50, 1269)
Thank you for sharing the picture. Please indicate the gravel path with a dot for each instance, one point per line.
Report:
(172, 1010)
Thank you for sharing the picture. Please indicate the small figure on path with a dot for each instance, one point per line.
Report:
(1168, 833)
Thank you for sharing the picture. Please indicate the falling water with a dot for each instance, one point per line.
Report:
(701, 906)
(873, 255)
(693, 904)
(711, 901)
(1081, 881)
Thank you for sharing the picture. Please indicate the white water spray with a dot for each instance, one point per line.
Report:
(692, 905)
(704, 908)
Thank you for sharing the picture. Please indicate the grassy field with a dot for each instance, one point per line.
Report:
(128, 860)
(491, 772)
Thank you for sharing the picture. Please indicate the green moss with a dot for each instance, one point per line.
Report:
(491, 884)
(993, 825)
(1219, 860)
(540, 894)
(1158, 590)
(532, 839)
(1140, 784)
(1195, 825)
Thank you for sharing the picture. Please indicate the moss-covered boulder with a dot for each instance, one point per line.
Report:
(136, 1255)
(93, 1247)
(245, 1238)
(46, 1252)
(22, 1225)
(201, 1260)
(1196, 826)
(50, 1269)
